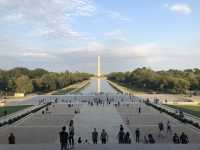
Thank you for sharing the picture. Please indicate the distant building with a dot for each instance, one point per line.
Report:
(19, 94)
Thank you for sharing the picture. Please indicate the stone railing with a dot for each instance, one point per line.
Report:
(120, 88)
(171, 112)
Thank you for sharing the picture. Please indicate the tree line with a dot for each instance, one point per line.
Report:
(170, 81)
(26, 81)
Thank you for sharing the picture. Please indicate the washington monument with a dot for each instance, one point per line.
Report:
(98, 66)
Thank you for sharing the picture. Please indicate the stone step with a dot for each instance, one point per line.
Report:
(102, 147)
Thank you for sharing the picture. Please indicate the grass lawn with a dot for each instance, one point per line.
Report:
(12, 109)
(191, 109)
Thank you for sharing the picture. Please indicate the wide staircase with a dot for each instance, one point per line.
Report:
(103, 147)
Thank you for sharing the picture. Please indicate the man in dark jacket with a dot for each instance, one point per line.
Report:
(184, 138)
(64, 139)
(11, 139)
(137, 135)
(121, 135)
(94, 136)
(176, 139)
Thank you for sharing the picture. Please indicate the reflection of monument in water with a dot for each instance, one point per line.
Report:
(98, 85)
(98, 74)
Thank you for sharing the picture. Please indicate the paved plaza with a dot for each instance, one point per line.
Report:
(147, 121)
(100, 117)
(41, 128)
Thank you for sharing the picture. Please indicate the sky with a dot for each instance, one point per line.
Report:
(60, 35)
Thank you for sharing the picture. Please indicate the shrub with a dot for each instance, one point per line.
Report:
(10, 121)
(196, 124)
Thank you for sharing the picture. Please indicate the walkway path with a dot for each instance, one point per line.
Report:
(100, 117)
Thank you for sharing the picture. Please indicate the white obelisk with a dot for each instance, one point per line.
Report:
(98, 74)
(98, 67)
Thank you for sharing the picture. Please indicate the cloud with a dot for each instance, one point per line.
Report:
(95, 46)
(85, 7)
(113, 57)
(113, 33)
(51, 18)
(141, 51)
(12, 17)
(116, 36)
(117, 15)
(180, 8)
(120, 50)
(36, 54)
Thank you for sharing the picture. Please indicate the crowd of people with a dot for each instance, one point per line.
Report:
(122, 136)
(183, 139)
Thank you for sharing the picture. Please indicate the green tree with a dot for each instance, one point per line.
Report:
(24, 84)
(48, 82)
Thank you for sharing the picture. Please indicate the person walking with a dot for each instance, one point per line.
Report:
(169, 130)
(127, 139)
(71, 133)
(121, 135)
(137, 135)
(63, 139)
(104, 137)
(139, 110)
(11, 139)
(95, 136)
(161, 129)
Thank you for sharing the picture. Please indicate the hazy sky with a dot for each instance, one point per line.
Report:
(61, 35)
